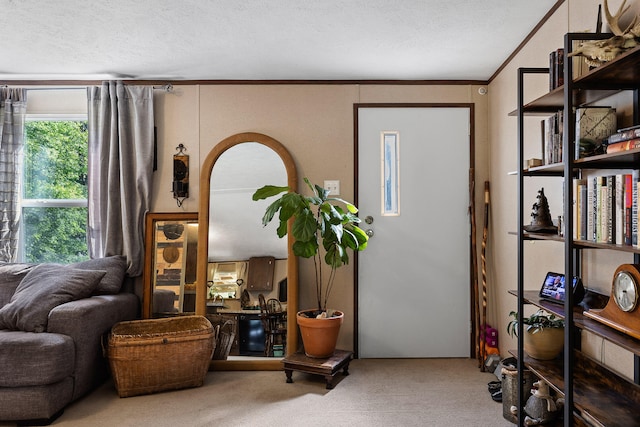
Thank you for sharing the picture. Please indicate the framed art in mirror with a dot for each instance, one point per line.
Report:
(169, 277)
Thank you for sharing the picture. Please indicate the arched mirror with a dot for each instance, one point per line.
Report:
(240, 262)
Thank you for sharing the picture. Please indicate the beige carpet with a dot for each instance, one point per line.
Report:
(378, 392)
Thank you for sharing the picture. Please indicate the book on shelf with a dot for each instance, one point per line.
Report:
(593, 126)
(542, 139)
(625, 134)
(617, 147)
(552, 75)
(603, 210)
(580, 208)
(618, 205)
(628, 204)
(634, 207)
(591, 210)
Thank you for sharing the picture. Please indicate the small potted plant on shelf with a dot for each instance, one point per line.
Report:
(325, 229)
(544, 334)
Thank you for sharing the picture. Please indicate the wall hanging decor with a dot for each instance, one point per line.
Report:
(180, 175)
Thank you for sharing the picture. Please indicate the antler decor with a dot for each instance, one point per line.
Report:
(597, 52)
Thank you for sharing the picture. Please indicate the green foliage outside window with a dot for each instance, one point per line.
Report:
(55, 167)
(55, 160)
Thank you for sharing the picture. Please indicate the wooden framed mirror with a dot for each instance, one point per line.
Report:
(169, 276)
(249, 169)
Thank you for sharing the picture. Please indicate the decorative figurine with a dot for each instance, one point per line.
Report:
(540, 407)
(540, 217)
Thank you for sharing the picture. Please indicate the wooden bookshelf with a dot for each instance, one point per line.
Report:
(622, 73)
(594, 394)
(600, 395)
(584, 323)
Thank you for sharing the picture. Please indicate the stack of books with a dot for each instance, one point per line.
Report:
(624, 140)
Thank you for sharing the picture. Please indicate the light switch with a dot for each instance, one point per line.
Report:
(333, 186)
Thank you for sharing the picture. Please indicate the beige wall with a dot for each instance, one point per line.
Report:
(314, 122)
(573, 16)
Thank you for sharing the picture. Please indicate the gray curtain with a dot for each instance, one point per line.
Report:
(121, 138)
(13, 109)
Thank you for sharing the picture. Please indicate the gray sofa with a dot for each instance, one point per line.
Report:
(52, 322)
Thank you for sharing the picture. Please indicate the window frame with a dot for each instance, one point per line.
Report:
(45, 203)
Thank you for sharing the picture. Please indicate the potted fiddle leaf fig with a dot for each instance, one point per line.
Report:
(544, 334)
(325, 229)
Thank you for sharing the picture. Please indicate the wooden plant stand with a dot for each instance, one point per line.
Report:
(328, 367)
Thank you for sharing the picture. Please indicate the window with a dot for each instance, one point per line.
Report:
(54, 202)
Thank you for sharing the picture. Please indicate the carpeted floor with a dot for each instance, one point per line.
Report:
(378, 392)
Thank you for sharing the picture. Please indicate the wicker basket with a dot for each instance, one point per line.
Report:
(147, 356)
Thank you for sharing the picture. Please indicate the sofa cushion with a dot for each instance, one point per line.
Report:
(10, 277)
(115, 266)
(28, 359)
(43, 288)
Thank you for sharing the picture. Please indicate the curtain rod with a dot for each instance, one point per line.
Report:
(168, 87)
(51, 85)
(58, 88)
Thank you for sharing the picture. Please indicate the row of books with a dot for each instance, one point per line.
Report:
(556, 67)
(592, 128)
(606, 209)
(552, 131)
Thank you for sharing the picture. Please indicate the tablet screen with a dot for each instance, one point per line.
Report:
(553, 287)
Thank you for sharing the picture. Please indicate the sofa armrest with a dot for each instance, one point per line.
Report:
(86, 321)
(92, 316)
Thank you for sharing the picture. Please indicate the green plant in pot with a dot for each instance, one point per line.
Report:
(544, 334)
(325, 229)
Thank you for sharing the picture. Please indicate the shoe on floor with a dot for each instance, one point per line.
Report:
(494, 386)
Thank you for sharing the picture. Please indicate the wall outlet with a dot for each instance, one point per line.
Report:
(333, 186)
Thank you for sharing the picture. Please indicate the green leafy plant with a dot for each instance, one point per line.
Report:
(535, 323)
(322, 225)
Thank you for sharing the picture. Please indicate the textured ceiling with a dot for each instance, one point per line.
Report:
(262, 40)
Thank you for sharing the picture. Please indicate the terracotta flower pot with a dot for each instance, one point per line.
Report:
(319, 336)
(545, 344)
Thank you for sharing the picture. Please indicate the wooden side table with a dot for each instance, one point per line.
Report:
(328, 367)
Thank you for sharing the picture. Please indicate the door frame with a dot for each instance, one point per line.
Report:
(473, 302)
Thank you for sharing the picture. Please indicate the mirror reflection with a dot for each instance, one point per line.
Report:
(235, 231)
(170, 264)
(258, 317)
(247, 263)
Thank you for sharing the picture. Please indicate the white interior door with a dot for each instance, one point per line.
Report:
(413, 279)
